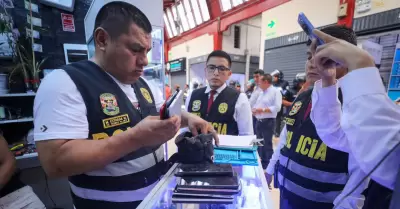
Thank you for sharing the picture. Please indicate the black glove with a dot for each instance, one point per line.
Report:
(194, 149)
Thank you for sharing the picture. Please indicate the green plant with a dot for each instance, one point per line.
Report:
(24, 58)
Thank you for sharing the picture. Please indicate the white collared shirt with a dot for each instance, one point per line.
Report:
(270, 98)
(242, 114)
(370, 122)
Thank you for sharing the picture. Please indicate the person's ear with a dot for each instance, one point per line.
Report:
(101, 38)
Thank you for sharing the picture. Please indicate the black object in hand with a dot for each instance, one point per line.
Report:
(194, 149)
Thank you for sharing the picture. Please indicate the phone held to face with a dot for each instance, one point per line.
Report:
(172, 106)
(308, 28)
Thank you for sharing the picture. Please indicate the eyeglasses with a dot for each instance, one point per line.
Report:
(212, 68)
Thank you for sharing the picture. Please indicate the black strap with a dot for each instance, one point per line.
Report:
(395, 202)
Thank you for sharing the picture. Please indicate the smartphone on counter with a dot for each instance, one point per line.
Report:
(308, 28)
(173, 106)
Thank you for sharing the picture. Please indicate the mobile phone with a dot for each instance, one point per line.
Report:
(308, 28)
(172, 106)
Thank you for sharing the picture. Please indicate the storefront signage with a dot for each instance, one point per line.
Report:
(271, 29)
(363, 6)
(68, 23)
(177, 65)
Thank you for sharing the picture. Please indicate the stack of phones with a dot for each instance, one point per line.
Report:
(206, 183)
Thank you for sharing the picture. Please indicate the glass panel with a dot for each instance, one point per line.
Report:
(189, 14)
(154, 71)
(175, 15)
(204, 10)
(182, 16)
(237, 2)
(196, 10)
(172, 22)
(226, 5)
(91, 48)
(167, 25)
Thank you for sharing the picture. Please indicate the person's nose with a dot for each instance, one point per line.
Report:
(142, 60)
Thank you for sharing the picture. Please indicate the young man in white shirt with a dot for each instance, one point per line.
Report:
(225, 108)
(366, 124)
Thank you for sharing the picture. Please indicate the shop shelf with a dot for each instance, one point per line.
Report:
(20, 120)
(30, 155)
(18, 95)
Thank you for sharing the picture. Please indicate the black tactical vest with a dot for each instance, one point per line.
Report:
(221, 112)
(109, 112)
(304, 150)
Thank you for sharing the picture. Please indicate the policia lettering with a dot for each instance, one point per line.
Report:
(221, 112)
(308, 147)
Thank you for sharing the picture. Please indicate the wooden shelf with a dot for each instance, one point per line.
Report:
(20, 120)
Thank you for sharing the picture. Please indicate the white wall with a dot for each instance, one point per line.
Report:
(250, 32)
(379, 6)
(319, 12)
(153, 9)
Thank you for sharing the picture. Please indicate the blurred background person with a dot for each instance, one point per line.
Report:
(250, 88)
(167, 91)
(265, 108)
(282, 85)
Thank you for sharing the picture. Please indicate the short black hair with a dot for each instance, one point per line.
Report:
(220, 53)
(116, 17)
(267, 77)
(260, 72)
(340, 32)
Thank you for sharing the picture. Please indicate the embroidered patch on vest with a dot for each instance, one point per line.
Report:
(116, 121)
(296, 107)
(146, 95)
(196, 105)
(222, 108)
(109, 104)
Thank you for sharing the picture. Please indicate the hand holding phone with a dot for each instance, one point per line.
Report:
(173, 105)
(308, 28)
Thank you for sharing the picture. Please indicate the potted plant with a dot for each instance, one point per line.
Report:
(25, 66)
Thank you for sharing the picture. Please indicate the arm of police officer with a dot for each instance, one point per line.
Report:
(7, 163)
(355, 200)
(61, 131)
(277, 152)
(243, 116)
(326, 114)
(370, 119)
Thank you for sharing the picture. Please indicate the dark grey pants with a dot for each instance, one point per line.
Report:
(265, 130)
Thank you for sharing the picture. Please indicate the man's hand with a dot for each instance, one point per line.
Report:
(196, 124)
(336, 51)
(154, 131)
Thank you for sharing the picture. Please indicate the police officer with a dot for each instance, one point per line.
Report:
(225, 108)
(282, 85)
(290, 94)
(97, 121)
(310, 174)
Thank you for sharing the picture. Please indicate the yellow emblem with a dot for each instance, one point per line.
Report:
(109, 104)
(196, 105)
(222, 108)
(146, 95)
(295, 108)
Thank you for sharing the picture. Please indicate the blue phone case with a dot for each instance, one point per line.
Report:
(308, 28)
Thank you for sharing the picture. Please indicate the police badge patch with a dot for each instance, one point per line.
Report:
(196, 105)
(146, 95)
(296, 107)
(222, 108)
(109, 104)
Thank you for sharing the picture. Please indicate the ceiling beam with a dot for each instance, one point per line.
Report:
(243, 12)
